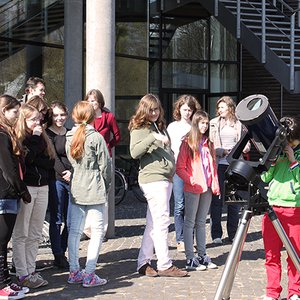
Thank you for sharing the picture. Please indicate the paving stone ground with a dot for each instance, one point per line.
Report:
(117, 263)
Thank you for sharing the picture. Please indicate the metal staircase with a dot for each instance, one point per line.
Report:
(268, 30)
(16, 26)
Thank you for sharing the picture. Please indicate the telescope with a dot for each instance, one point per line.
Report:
(243, 184)
(268, 136)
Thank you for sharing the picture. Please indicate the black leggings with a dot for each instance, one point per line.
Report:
(7, 223)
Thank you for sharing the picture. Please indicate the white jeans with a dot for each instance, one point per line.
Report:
(157, 224)
(28, 230)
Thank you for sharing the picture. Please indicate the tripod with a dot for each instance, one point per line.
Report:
(231, 265)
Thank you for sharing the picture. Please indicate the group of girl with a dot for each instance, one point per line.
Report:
(36, 165)
(197, 145)
(196, 175)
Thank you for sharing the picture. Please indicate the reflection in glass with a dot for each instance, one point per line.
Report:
(223, 78)
(185, 75)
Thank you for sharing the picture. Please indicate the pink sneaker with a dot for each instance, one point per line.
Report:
(17, 288)
(75, 277)
(91, 280)
(8, 294)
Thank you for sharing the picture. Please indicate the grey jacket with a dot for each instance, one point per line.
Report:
(214, 135)
(91, 175)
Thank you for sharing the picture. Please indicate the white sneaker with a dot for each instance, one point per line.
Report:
(206, 261)
(194, 265)
(295, 297)
(269, 298)
(218, 241)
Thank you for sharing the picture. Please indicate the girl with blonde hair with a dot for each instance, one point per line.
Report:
(39, 160)
(225, 131)
(87, 152)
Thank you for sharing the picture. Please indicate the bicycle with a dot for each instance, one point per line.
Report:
(128, 180)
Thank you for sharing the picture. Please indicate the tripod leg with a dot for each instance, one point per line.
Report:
(284, 238)
(230, 268)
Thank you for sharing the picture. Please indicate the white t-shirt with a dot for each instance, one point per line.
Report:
(177, 130)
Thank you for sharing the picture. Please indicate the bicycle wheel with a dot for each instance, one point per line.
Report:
(138, 193)
(120, 187)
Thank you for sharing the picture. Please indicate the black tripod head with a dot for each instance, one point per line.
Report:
(262, 129)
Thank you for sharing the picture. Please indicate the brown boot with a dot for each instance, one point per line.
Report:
(172, 272)
(147, 270)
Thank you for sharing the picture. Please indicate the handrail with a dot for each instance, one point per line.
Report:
(264, 18)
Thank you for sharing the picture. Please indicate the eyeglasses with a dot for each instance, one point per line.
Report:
(154, 110)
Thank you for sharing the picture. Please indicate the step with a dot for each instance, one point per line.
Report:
(268, 21)
(283, 49)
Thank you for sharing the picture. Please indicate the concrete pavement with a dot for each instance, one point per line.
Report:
(117, 263)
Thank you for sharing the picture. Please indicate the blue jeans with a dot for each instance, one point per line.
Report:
(178, 207)
(216, 211)
(59, 199)
(78, 215)
(196, 210)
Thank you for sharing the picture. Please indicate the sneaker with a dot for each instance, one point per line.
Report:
(147, 270)
(8, 294)
(172, 272)
(206, 261)
(295, 297)
(12, 270)
(91, 280)
(76, 277)
(180, 247)
(39, 276)
(17, 288)
(43, 265)
(194, 265)
(33, 281)
(218, 241)
(269, 298)
(61, 262)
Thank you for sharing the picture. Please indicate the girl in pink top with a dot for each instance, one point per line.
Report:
(196, 165)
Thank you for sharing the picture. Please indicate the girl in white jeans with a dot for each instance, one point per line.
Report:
(150, 143)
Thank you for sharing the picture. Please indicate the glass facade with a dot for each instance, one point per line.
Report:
(158, 50)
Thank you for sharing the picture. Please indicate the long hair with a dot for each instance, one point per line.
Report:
(98, 96)
(231, 106)
(83, 113)
(59, 105)
(194, 136)
(26, 111)
(8, 102)
(141, 117)
(190, 101)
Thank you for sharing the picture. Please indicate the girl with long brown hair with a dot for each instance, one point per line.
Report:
(12, 190)
(87, 152)
(39, 160)
(150, 143)
(196, 165)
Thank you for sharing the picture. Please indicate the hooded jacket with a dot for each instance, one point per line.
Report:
(91, 175)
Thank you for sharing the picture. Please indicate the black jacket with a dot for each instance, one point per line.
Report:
(37, 161)
(11, 185)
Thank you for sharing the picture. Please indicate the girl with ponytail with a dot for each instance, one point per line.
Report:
(87, 152)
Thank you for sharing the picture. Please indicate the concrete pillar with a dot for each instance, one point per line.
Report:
(73, 54)
(100, 66)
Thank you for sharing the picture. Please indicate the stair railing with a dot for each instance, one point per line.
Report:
(291, 37)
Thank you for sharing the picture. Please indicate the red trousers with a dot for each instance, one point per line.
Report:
(289, 218)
